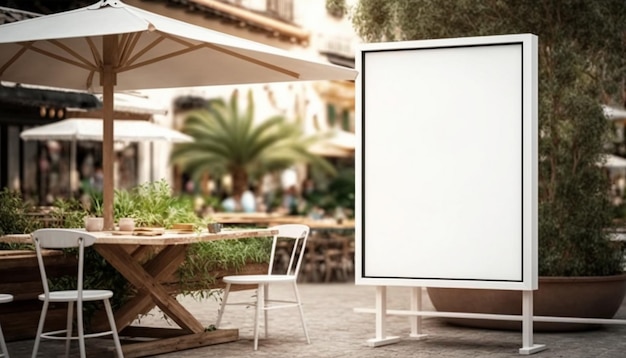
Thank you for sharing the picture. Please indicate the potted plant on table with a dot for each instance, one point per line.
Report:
(581, 65)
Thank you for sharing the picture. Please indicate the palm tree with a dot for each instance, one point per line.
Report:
(227, 141)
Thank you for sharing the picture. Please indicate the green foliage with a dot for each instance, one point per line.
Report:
(336, 8)
(13, 214)
(228, 141)
(68, 213)
(581, 65)
(205, 258)
(340, 192)
(152, 204)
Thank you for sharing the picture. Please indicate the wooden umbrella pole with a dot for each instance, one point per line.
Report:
(108, 156)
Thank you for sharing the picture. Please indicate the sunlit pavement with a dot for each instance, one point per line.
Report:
(337, 331)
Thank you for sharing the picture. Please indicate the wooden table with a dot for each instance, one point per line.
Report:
(264, 219)
(132, 256)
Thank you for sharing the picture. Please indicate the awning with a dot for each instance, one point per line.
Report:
(256, 20)
(11, 15)
(30, 96)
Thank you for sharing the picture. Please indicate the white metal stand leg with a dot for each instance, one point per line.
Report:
(527, 326)
(416, 321)
(381, 315)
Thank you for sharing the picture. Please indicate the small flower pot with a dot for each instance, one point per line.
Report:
(126, 224)
(214, 228)
(94, 224)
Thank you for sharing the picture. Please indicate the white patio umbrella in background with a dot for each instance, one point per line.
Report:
(111, 46)
(613, 161)
(91, 129)
(339, 143)
(75, 129)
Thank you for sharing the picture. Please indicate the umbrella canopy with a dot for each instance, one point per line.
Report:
(111, 46)
(613, 161)
(340, 143)
(91, 129)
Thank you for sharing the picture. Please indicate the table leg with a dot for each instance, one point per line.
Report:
(144, 280)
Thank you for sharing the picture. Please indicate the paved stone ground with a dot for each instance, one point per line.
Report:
(337, 331)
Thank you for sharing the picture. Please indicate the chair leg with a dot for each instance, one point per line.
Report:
(81, 329)
(116, 337)
(266, 296)
(68, 327)
(306, 332)
(259, 307)
(220, 312)
(42, 320)
(3, 346)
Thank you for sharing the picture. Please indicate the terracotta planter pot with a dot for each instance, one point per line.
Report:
(589, 297)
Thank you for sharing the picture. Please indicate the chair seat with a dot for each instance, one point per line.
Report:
(67, 296)
(258, 279)
(4, 298)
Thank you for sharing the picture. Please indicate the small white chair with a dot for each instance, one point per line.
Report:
(298, 235)
(61, 239)
(4, 353)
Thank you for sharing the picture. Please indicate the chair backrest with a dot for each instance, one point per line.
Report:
(61, 239)
(298, 235)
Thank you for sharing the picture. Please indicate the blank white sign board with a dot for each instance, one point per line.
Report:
(446, 163)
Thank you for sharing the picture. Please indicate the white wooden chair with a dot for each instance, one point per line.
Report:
(298, 235)
(4, 352)
(61, 239)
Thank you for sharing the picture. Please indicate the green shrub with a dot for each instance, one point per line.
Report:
(13, 214)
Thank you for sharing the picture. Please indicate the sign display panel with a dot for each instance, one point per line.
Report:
(446, 163)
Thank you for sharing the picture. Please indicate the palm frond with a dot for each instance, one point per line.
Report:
(227, 139)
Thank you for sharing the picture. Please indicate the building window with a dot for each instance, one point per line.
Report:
(338, 117)
(282, 9)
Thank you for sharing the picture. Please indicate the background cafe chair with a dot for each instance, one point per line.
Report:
(62, 239)
(296, 235)
(4, 352)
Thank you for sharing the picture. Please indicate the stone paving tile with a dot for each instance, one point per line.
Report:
(337, 331)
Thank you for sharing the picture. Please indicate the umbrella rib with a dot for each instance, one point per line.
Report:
(129, 43)
(30, 46)
(74, 54)
(254, 60)
(143, 51)
(195, 47)
(97, 59)
(15, 57)
(95, 53)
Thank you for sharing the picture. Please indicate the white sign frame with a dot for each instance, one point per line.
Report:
(416, 223)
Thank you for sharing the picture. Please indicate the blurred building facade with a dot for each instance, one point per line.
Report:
(305, 27)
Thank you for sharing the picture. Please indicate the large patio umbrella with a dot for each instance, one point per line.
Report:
(75, 129)
(111, 46)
